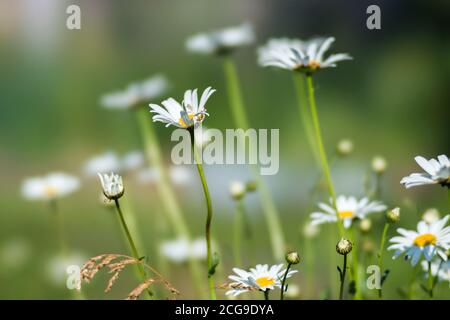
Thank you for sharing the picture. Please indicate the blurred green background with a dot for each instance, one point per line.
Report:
(391, 100)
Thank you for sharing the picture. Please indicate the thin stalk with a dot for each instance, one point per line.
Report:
(380, 255)
(430, 281)
(237, 232)
(273, 222)
(448, 195)
(209, 215)
(355, 266)
(132, 223)
(283, 283)
(322, 153)
(305, 116)
(134, 250)
(342, 278)
(165, 191)
(266, 294)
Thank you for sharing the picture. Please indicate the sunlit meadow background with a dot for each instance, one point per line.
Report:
(392, 100)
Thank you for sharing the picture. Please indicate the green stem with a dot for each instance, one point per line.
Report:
(430, 281)
(209, 215)
(283, 283)
(322, 154)
(164, 189)
(448, 195)
(355, 266)
(129, 213)
(134, 250)
(266, 294)
(237, 232)
(305, 116)
(342, 278)
(267, 203)
(380, 255)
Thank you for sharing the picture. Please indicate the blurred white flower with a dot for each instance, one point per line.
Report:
(349, 208)
(431, 215)
(439, 268)
(103, 163)
(345, 147)
(14, 253)
(148, 175)
(379, 164)
(112, 185)
(180, 175)
(260, 278)
(181, 249)
(132, 160)
(49, 187)
(190, 113)
(57, 267)
(221, 41)
(298, 55)
(310, 230)
(136, 93)
(293, 291)
(428, 240)
(237, 190)
(436, 172)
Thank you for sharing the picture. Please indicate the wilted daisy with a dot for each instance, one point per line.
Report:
(439, 268)
(297, 55)
(49, 187)
(182, 249)
(190, 113)
(436, 172)
(221, 41)
(103, 163)
(349, 208)
(136, 93)
(428, 240)
(112, 185)
(259, 278)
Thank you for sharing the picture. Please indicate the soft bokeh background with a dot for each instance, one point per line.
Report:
(392, 100)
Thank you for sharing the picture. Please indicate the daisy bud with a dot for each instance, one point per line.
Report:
(237, 190)
(379, 164)
(344, 246)
(431, 215)
(310, 230)
(251, 186)
(344, 147)
(112, 185)
(393, 216)
(293, 257)
(365, 225)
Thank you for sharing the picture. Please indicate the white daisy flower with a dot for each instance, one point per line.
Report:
(103, 163)
(181, 249)
(428, 240)
(136, 93)
(50, 187)
(259, 278)
(349, 208)
(112, 185)
(293, 54)
(190, 113)
(436, 172)
(132, 160)
(221, 41)
(439, 268)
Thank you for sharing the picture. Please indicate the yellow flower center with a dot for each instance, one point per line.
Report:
(265, 281)
(425, 240)
(182, 123)
(50, 191)
(345, 214)
(314, 64)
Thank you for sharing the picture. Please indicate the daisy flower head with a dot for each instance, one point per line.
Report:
(297, 55)
(259, 278)
(188, 114)
(221, 41)
(436, 172)
(429, 240)
(348, 209)
(50, 187)
(136, 93)
(112, 185)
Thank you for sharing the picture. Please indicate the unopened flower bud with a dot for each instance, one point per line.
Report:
(310, 230)
(365, 225)
(393, 216)
(293, 257)
(379, 164)
(344, 246)
(251, 186)
(344, 147)
(112, 185)
(237, 190)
